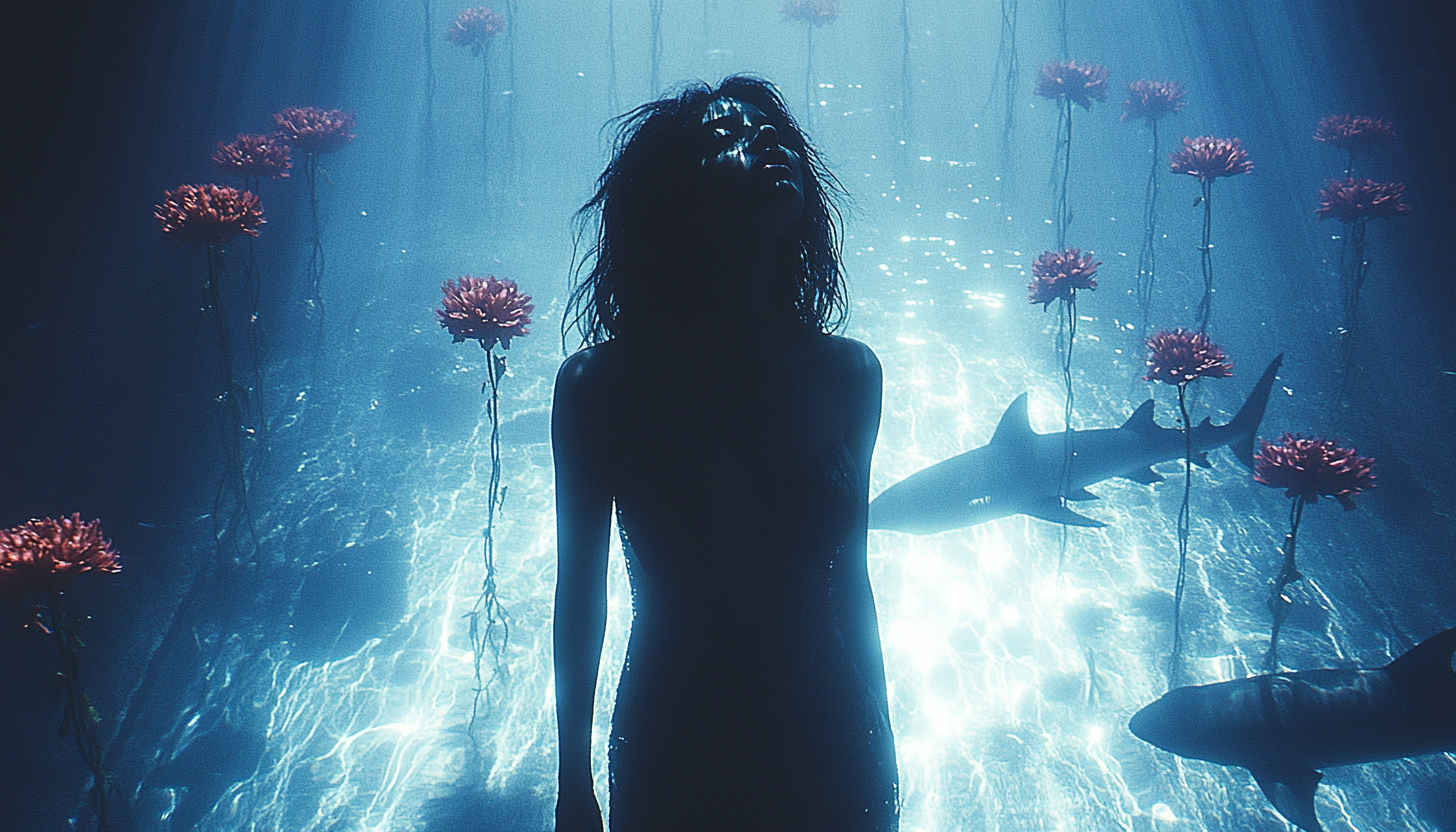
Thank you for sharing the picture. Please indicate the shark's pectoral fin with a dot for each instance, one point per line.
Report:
(1291, 790)
(1053, 511)
(1200, 458)
(1081, 495)
(1146, 476)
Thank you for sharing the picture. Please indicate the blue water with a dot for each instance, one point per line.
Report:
(332, 674)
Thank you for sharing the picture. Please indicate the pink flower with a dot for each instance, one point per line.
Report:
(249, 155)
(1313, 468)
(1179, 356)
(1151, 100)
(43, 556)
(313, 130)
(1057, 274)
(1208, 158)
(1355, 133)
(1352, 200)
(1080, 83)
(209, 214)
(487, 311)
(475, 27)
(812, 12)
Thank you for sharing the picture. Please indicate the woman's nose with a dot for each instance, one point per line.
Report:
(766, 137)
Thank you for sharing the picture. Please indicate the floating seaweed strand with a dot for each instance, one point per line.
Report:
(1150, 101)
(1008, 68)
(1307, 469)
(488, 311)
(1179, 357)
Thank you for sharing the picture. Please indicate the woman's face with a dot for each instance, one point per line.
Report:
(751, 176)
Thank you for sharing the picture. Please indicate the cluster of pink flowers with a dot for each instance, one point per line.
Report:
(313, 130)
(1359, 133)
(1055, 275)
(209, 214)
(1313, 468)
(1208, 158)
(43, 556)
(812, 12)
(1151, 100)
(252, 155)
(1352, 200)
(474, 28)
(1179, 356)
(487, 310)
(1080, 83)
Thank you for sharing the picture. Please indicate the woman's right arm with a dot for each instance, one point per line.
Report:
(583, 529)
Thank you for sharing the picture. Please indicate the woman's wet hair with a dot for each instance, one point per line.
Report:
(648, 225)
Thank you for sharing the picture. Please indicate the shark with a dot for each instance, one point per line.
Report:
(1284, 727)
(1021, 472)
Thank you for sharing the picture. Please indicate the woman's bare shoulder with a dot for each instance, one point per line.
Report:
(589, 367)
(852, 357)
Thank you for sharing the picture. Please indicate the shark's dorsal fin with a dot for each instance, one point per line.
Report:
(1200, 458)
(1291, 790)
(1014, 429)
(1427, 666)
(1141, 420)
(1053, 511)
(1080, 495)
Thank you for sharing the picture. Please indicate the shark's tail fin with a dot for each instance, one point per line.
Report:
(1245, 426)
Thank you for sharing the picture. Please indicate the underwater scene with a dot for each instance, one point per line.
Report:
(1159, 532)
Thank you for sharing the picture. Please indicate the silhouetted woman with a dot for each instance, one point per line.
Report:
(733, 434)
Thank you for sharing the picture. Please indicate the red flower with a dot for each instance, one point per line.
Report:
(1152, 100)
(210, 214)
(313, 130)
(1179, 356)
(1208, 158)
(1352, 200)
(1353, 132)
(475, 27)
(1068, 79)
(812, 12)
(486, 310)
(42, 556)
(253, 156)
(1057, 274)
(1313, 468)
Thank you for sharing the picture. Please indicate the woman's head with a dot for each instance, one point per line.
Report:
(698, 168)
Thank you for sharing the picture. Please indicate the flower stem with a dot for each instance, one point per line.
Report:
(494, 633)
(1205, 306)
(81, 716)
(1148, 255)
(1184, 523)
(1279, 602)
